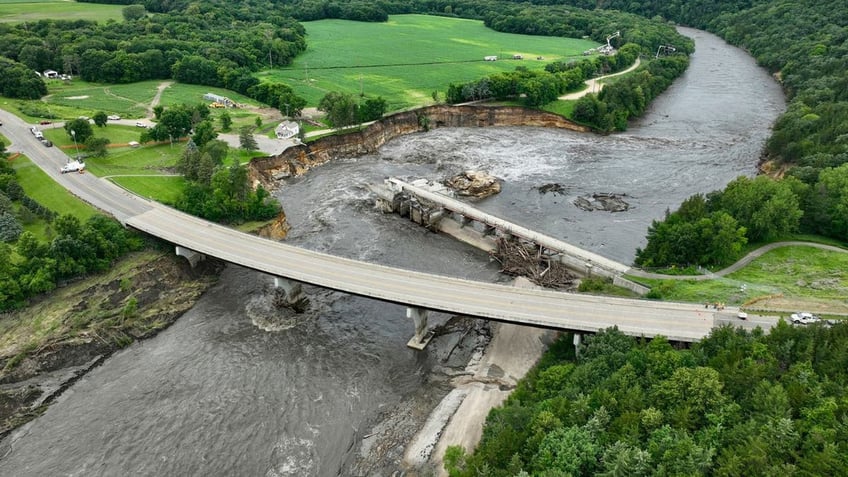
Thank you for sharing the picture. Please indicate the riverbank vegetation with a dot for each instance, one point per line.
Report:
(736, 403)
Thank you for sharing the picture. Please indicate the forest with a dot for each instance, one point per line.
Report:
(736, 403)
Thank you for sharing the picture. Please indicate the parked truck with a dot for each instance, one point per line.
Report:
(73, 166)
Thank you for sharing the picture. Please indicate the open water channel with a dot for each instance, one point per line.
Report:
(233, 389)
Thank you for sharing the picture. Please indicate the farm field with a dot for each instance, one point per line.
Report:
(34, 10)
(408, 58)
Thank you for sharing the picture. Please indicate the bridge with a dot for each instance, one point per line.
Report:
(419, 292)
(430, 205)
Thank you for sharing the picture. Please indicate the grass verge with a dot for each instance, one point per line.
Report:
(805, 276)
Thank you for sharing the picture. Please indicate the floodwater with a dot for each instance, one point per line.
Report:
(235, 388)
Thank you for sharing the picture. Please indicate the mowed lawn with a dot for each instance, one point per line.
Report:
(409, 57)
(48, 193)
(33, 10)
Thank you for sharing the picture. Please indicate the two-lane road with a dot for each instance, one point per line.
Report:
(100, 193)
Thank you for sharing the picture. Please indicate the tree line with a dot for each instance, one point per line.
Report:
(536, 88)
(736, 403)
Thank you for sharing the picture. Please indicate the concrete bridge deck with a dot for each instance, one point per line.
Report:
(677, 321)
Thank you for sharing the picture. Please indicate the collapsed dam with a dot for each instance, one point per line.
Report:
(295, 161)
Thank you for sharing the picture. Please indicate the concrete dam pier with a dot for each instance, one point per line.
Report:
(433, 206)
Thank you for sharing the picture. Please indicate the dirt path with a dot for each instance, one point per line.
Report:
(594, 86)
(155, 101)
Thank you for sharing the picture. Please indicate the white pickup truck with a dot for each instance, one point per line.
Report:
(73, 166)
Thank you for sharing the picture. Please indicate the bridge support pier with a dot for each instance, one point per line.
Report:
(578, 339)
(190, 255)
(421, 338)
(294, 296)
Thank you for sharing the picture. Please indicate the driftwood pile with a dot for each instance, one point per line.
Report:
(519, 259)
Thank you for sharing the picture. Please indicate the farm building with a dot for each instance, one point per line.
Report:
(219, 99)
(287, 129)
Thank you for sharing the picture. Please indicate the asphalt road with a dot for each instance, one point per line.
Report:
(677, 321)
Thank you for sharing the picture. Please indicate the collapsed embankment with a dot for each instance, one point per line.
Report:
(297, 160)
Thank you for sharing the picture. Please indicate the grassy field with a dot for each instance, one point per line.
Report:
(16, 11)
(804, 275)
(164, 189)
(49, 194)
(410, 56)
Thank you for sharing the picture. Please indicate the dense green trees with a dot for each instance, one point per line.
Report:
(18, 81)
(218, 192)
(737, 403)
(343, 109)
(79, 130)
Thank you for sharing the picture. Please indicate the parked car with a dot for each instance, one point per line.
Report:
(140, 124)
(47, 142)
(38, 135)
(33, 129)
(113, 117)
(803, 318)
(742, 315)
(45, 122)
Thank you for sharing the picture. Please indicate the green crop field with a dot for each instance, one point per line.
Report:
(408, 58)
(34, 10)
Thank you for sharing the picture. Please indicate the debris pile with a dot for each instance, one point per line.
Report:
(554, 188)
(518, 259)
(475, 184)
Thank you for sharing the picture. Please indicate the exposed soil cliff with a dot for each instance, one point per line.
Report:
(297, 160)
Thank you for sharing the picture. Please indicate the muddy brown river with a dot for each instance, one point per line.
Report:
(237, 388)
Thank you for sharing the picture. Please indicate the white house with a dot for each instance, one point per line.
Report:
(287, 129)
(50, 74)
